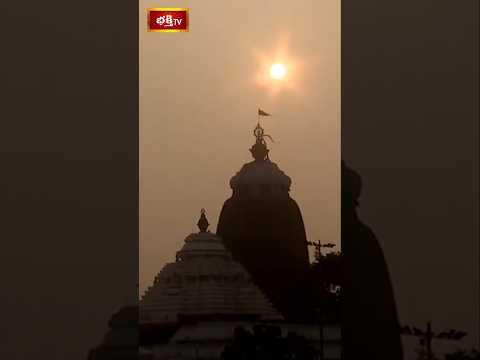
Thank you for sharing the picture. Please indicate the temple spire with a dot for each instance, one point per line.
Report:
(203, 222)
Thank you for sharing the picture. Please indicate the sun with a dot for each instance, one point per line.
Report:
(278, 71)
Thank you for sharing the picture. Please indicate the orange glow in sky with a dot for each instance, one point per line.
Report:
(278, 70)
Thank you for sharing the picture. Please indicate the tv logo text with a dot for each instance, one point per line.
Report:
(167, 20)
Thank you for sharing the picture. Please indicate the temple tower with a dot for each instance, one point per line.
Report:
(204, 283)
(262, 226)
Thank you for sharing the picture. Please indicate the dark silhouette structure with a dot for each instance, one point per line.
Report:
(267, 342)
(370, 328)
(122, 340)
(263, 228)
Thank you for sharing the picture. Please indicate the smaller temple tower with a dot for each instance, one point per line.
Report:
(195, 303)
(204, 283)
(263, 228)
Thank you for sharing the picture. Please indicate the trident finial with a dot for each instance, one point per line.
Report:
(203, 222)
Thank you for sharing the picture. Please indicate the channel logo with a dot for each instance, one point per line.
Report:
(167, 19)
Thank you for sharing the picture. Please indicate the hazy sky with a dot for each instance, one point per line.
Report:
(199, 93)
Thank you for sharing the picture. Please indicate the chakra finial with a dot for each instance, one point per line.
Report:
(203, 222)
(258, 132)
(259, 150)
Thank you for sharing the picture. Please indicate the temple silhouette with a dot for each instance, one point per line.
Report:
(263, 228)
(249, 291)
(370, 327)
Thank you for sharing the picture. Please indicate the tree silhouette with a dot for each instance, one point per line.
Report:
(425, 338)
(463, 355)
(327, 269)
(326, 281)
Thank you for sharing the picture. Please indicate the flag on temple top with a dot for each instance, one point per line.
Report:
(263, 113)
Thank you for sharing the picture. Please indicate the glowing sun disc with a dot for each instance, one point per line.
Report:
(278, 71)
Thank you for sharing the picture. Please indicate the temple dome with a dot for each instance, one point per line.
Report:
(203, 244)
(261, 175)
(257, 173)
(204, 281)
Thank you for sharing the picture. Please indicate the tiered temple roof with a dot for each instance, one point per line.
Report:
(205, 282)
